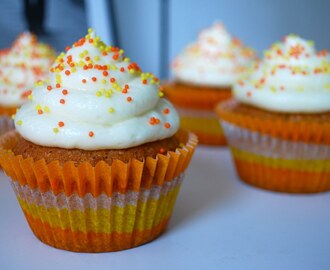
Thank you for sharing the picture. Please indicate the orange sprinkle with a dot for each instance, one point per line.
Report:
(87, 58)
(60, 124)
(94, 79)
(115, 56)
(167, 125)
(129, 99)
(62, 101)
(105, 53)
(105, 73)
(124, 91)
(58, 85)
(166, 111)
(67, 48)
(85, 67)
(64, 92)
(72, 64)
(49, 87)
(40, 111)
(90, 65)
(112, 80)
(122, 69)
(67, 72)
(144, 81)
(91, 134)
(90, 40)
(152, 120)
(248, 93)
(162, 150)
(83, 80)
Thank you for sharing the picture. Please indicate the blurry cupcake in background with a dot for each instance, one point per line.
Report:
(278, 124)
(204, 74)
(21, 66)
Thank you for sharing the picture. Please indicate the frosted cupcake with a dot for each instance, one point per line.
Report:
(278, 124)
(204, 74)
(97, 159)
(26, 62)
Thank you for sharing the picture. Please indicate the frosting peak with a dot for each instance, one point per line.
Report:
(21, 66)
(96, 98)
(292, 77)
(215, 59)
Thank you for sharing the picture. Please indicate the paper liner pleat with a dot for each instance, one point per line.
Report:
(83, 229)
(194, 96)
(277, 164)
(6, 124)
(207, 129)
(116, 222)
(304, 131)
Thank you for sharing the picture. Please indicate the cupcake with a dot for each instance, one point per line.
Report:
(278, 123)
(26, 62)
(204, 74)
(96, 160)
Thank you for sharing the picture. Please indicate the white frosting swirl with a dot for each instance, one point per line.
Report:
(96, 99)
(216, 59)
(21, 66)
(291, 78)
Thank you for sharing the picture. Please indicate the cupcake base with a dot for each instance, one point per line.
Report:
(97, 208)
(195, 105)
(277, 152)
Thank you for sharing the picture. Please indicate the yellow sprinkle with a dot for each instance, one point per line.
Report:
(73, 69)
(104, 81)
(111, 110)
(327, 86)
(121, 51)
(46, 109)
(97, 58)
(161, 94)
(126, 59)
(90, 30)
(13, 116)
(98, 94)
(152, 82)
(85, 52)
(81, 63)
(56, 130)
(19, 122)
(38, 107)
(131, 71)
(273, 89)
(81, 55)
(30, 97)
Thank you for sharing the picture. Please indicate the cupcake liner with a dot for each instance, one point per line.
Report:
(276, 164)
(8, 111)
(98, 208)
(195, 96)
(204, 124)
(195, 105)
(302, 130)
(6, 124)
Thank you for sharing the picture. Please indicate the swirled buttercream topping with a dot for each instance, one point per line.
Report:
(96, 99)
(216, 59)
(26, 62)
(291, 78)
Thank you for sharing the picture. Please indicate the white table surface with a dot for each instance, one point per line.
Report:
(218, 223)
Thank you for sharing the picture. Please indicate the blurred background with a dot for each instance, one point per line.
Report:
(153, 32)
